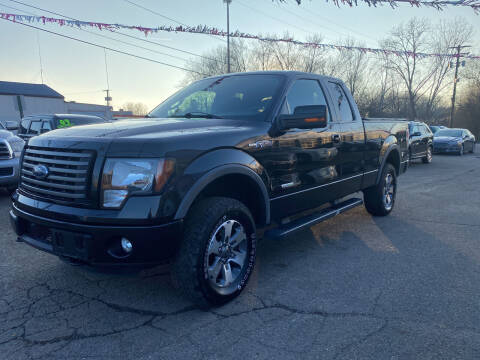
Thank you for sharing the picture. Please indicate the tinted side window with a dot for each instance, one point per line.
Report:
(24, 126)
(304, 93)
(341, 101)
(46, 126)
(35, 127)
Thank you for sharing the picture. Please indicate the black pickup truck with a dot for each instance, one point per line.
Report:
(193, 182)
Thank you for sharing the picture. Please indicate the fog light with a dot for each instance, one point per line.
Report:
(126, 245)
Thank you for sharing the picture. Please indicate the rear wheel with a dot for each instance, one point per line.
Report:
(217, 254)
(473, 148)
(380, 199)
(427, 159)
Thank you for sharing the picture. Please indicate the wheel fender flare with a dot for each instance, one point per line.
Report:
(215, 173)
(396, 151)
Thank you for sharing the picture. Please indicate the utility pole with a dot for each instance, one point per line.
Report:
(455, 80)
(108, 98)
(228, 33)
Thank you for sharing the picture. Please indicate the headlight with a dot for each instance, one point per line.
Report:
(14, 146)
(124, 177)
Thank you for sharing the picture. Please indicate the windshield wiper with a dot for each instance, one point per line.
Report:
(198, 114)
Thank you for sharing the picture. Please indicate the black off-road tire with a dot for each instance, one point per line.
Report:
(373, 197)
(189, 271)
(427, 159)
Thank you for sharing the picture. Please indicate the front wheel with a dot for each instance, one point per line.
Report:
(461, 151)
(427, 159)
(380, 199)
(217, 254)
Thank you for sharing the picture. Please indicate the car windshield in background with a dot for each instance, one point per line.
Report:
(65, 122)
(236, 97)
(449, 133)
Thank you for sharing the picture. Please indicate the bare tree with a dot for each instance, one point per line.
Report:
(214, 62)
(445, 35)
(136, 108)
(312, 57)
(410, 38)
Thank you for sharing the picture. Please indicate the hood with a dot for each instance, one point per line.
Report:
(446, 139)
(156, 136)
(155, 128)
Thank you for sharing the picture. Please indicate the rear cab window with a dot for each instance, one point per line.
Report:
(341, 101)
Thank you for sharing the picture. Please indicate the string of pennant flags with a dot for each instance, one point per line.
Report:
(436, 4)
(203, 29)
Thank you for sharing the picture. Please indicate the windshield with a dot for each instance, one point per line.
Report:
(249, 97)
(449, 133)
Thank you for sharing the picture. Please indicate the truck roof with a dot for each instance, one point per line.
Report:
(58, 116)
(287, 73)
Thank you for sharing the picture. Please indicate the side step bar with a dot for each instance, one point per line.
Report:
(313, 219)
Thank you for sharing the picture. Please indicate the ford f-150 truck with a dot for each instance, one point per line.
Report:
(194, 181)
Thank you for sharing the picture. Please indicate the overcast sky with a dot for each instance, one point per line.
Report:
(78, 71)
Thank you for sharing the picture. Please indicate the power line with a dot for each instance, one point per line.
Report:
(122, 34)
(99, 35)
(271, 17)
(356, 32)
(161, 15)
(105, 47)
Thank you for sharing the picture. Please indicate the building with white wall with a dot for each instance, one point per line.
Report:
(21, 99)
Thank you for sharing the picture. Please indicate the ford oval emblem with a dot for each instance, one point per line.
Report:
(40, 171)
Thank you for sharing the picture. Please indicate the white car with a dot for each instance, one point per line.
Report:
(11, 147)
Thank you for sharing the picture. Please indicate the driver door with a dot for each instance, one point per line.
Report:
(303, 163)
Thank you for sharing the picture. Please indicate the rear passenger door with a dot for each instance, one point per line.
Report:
(415, 141)
(352, 139)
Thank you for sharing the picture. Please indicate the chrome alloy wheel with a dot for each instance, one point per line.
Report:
(429, 154)
(388, 191)
(226, 256)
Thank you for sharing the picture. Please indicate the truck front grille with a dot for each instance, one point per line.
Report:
(68, 174)
(4, 150)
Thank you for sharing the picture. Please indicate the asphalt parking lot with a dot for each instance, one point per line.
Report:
(401, 287)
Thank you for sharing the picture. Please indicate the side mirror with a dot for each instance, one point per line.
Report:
(11, 125)
(304, 117)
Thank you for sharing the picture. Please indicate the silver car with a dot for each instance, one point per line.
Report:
(11, 147)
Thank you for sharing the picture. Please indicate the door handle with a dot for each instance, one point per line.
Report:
(336, 138)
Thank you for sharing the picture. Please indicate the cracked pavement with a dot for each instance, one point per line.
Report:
(354, 287)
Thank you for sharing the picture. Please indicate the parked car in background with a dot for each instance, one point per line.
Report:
(454, 140)
(421, 142)
(11, 147)
(34, 125)
(435, 128)
(11, 126)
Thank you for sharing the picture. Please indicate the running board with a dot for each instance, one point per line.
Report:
(313, 219)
